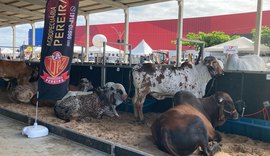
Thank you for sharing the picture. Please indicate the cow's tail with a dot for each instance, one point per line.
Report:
(167, 143)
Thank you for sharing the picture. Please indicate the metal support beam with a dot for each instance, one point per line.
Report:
(9, 8)
(112, 3)
(257, 44)
(87, 29)
(179, 32)
(14, 18)
(126, 11)
(33, 38)
(14, 40)
(43, 3)
(103, 68)
(36, 2)
(146, 2)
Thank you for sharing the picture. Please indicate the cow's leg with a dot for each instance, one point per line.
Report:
(139, 105)
(134, 101)
(217, 137)
(206, 150)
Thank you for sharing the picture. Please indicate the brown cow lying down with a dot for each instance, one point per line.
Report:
(91, 104)
(15, 69)
(190, 124)
(84, 85)
(164, 81)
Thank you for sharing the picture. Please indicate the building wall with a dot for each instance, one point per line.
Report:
(160, 34)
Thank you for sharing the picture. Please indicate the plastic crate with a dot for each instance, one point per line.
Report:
(128, 106)
(250, 127)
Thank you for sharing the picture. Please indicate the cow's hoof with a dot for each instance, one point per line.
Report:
(214, 148)
(138, 121)
(141, 122)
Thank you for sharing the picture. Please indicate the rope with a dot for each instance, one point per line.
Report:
(252, 114)
(263, 110)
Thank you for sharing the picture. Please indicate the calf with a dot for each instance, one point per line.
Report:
(23, 93)
(163, 81)
(190, 124)
(94, 104)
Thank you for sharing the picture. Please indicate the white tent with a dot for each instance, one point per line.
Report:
(108, 49)
(142, 49)
(244, 45)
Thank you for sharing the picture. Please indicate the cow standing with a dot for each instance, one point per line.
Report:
(190, 124)
(16, 69)
(165, 81)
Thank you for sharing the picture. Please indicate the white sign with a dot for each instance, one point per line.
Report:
(267, 76)
(230, 49)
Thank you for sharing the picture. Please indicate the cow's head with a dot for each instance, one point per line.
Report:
(85, 85)
(214, 66)
(226, 107)
(116, 94)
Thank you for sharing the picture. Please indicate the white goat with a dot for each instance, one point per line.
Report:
(245, 63)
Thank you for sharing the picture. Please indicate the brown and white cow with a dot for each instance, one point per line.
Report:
(102, 101)
(15, 69)
(190, 124)
(164, 81)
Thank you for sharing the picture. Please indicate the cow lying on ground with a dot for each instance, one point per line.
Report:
(190, 124)
(23, 93)
(91, 104)
(162, 82)
(15, 69)
(84, 86)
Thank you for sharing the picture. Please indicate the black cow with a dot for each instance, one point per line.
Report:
(190, 124)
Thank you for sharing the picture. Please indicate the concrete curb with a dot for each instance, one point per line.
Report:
(87, 140)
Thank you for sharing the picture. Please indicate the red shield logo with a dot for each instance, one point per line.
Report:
(56, 63)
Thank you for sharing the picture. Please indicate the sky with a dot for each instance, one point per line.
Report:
(158, 11)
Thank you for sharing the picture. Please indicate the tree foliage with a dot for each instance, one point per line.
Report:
(265, 35)
(210, 39)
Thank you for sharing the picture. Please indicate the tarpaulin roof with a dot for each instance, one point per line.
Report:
(244, 45)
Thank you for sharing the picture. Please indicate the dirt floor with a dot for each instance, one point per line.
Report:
(125, 131)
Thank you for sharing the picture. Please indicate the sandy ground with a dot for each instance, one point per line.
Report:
(125, 131)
